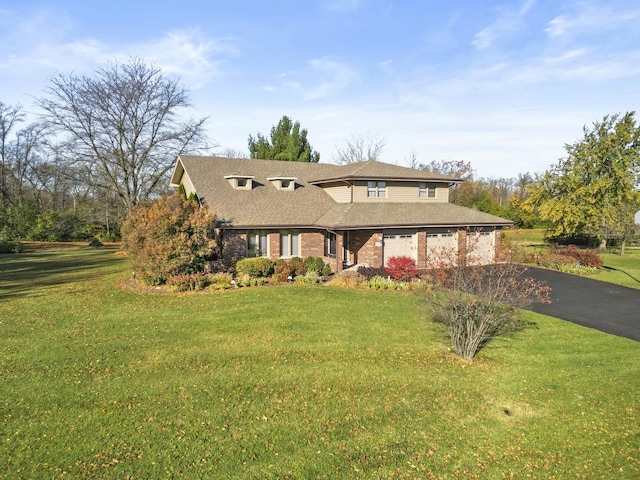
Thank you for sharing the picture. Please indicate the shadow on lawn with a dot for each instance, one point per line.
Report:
(31, 274)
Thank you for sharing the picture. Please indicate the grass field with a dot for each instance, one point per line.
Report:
(292, 382)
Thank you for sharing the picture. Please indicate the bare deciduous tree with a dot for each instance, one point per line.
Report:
(478, 303)
(10, 116)
(122, 126)
(360, 148)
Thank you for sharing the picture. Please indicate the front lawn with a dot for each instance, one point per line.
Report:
(292, 381)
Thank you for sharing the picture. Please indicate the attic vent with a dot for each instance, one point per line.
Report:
(283, 183)
(240, 182)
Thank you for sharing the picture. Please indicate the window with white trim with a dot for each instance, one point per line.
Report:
(289, 244)
(376, 189)
(257, 244)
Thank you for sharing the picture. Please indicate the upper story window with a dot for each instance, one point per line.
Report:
(427, 191)
(376, 189)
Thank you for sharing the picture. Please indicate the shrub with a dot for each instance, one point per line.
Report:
(380, 283)
(310, 277)
(246, 280)
(11, 247)
(95, 243)
(587, 257)
(168, 237)
(191, 282)
(298, 266)
(348, 279)
(314, 264)
(220, 280)
(401, 268)
(282, 271)
(370, 272)
(326, 270)
(477, 304)
(255, 267)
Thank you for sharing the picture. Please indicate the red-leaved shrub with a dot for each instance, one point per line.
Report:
(401, 268)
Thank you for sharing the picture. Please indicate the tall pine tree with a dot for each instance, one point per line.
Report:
(287, 142)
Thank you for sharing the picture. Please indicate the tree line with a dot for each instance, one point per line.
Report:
(104, 143)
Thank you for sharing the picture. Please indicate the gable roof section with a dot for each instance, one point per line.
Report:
(308, 205)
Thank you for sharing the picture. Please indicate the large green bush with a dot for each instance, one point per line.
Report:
(254, 267)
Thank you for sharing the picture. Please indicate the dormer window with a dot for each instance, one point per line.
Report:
(240, 182)
(283, 183)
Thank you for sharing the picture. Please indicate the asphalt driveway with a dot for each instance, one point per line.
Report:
(604, 306)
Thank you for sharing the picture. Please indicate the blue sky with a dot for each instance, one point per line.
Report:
(502, 85)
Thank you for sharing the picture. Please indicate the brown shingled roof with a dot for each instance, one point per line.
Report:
(308, 205)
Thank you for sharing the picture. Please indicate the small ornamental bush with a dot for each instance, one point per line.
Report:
(401, 268)
(370, 272)
(255, 267)
(314, 264)
(220, 280)
(245, 280)
(190, 283)
(310, 277)
(298, 266)
(380, 283)
(282, 271)
(348, 279)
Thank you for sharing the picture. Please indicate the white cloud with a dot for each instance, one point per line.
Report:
(334, 76)
(590, 18)
(510, 21)
(43, 42)
(193, 56)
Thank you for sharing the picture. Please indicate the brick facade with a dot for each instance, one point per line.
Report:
(366, 247)
(422, 249)
(363, 247)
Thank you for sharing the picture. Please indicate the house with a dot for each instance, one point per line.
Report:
(362, 213)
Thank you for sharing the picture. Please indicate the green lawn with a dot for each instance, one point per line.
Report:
(292, 382)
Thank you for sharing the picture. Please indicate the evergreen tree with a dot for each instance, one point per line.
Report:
(287, 142)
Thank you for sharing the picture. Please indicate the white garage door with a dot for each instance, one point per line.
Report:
(400, 244)
(480, 248)
(442, 247)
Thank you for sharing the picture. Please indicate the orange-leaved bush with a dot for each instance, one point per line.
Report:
(167, 237)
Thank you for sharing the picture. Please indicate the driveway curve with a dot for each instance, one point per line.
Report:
(600, 305)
